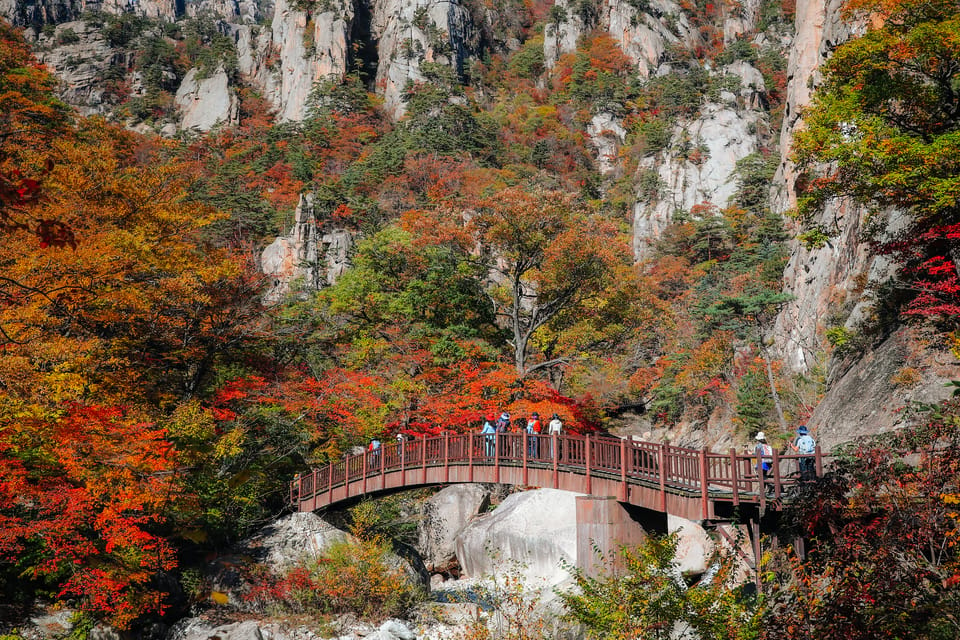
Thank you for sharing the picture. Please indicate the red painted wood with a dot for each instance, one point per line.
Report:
(704, 484)
(624, 490)
(678, 480)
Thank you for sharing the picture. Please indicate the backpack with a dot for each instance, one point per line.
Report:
(534, 426)
(806, 444)
(764, 450)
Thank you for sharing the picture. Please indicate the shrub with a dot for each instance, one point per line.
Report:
(355, 577)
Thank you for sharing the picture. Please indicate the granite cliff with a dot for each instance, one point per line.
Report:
(282, 49)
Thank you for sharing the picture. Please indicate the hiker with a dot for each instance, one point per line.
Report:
(554, 428)
(489, 445)
(533, 435)
(805, 445)
(374, 453)
(503, 428)
(764, 453)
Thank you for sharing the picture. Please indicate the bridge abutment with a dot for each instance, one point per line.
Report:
(603, 526)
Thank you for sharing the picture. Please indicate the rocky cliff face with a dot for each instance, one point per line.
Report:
(866, 390)
(283, 49)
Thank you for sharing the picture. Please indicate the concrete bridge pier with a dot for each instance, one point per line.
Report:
(603, 526)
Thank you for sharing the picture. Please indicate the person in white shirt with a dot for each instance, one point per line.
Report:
(554, 427)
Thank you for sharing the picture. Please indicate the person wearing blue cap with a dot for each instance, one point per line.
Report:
(805, 445)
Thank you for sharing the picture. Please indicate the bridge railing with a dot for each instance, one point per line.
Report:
(671, 467)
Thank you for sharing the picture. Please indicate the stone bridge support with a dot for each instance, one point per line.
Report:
(603, 526)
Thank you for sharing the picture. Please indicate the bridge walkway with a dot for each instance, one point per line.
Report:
(697, 484)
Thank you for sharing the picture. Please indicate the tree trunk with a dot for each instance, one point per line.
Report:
(773, 389)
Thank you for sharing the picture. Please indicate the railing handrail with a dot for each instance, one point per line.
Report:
(669, 467)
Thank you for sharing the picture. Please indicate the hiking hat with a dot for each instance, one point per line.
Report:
(505, 415)
(556, 416)
(536, 415)
(490, 417)
(802, 430)
(760, 436)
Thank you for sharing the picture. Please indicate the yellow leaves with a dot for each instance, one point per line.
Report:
(231, 444)
(191, 423)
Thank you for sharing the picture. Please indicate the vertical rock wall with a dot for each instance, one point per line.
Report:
(822, 280)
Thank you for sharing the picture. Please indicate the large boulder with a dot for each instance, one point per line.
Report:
(286, 542)
(444, 516)
(695, 547)
(534, 532)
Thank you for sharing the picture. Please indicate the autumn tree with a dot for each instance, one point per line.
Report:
(407, 339)
(30, 117)
(105, 334)
(82, 493)
(549, 256)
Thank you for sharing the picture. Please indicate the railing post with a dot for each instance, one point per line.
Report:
(623, 470)
(498, 437)
(735, 476)
(819, 461)
(363, 473)
(470, 456)
(423, 461)
(446, 457)
(403, 461)
(329, 483)
(346, 476)
(525, 443)
(663, 477)
(776, 474)
(704, 486)
(586, 458)
(556, 460)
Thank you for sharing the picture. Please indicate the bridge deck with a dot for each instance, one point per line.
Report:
(690, 483)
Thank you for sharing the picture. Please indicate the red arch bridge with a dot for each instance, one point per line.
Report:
(696, 484)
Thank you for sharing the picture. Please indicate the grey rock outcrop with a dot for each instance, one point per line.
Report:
(866, 390)
(21, 14)
(645, 36)
(532, 532)
(561, 37)
(606, 135)
(309, 48)
(410, 32)
(206, 102)
(305, 257)
(81, 60)
(444, 516)
(815, 276)
(867, 398)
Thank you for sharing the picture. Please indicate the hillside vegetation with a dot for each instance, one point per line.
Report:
(152, 409)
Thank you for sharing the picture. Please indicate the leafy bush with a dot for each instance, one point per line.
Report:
(648, 598)
(355, 577)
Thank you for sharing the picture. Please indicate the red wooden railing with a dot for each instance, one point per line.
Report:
(662, 470)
